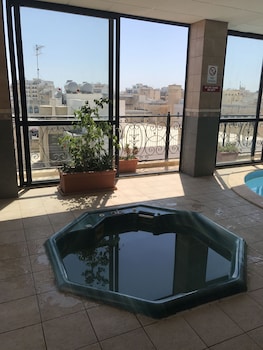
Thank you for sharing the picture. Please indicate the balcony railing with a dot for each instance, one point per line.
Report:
(158, 138)
(245, 133)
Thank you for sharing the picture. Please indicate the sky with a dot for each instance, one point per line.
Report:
(72, 47)
(75, 47)
(243, 64)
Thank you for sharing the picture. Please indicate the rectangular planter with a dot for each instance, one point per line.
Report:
(226, 156)
(92, 181)
(128, 165)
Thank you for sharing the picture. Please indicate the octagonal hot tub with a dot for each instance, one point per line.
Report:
(148, 260)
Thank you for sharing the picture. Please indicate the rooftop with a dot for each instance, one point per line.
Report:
(37, 316)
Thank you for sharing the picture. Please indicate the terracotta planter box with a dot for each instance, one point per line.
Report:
(128, 166)
(92, 181)
(226, 156)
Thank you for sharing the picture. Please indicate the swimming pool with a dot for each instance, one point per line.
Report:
(254, 181)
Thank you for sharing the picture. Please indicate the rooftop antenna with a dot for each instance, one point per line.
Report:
(38, 52)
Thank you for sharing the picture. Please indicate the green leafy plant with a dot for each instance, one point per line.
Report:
(86, 144)
(129, 152)
(228, 147)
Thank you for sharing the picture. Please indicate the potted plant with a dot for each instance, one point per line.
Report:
(128, 162)
(90, 167)
(227, 152)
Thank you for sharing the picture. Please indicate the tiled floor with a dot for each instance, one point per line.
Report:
(34, 315)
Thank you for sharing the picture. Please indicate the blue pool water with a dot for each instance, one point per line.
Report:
(254, 181)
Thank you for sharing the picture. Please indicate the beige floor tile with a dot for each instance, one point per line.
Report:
(13, 250)
(92, 347)
(244, 221)
(69, 332)
(56, 304)
(257, 295)
(252, 235)
(10, 213)
(33, 221)
(40, 262)
(258, 246)
(212, 324)
(28, 338)
(242, 342)
(16, 287)
(242, 309)
(36, 246)
(60, 220)
(90, 303)
(38, 232)
(33, 208)
(258, 268)
(145, 320)
(109, 322)
(174, 333)
(87, 202)
(19, 313)
(10, 225)
(12, 236)
(44, 280)
(254, 280)
(14, 267)
(54, 206)
(134, 340)
(257, 335)
(253, 256)
(37, 192)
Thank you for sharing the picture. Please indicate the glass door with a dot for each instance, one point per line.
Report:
(59, 60)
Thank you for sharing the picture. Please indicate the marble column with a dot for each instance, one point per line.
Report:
(205, 69)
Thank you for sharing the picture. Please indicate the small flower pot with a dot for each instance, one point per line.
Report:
(128, 165)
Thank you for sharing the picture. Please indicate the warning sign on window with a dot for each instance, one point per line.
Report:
(212, 74)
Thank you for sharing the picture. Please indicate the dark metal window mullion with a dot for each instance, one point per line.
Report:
(22, 94)
(111, 60)
(258, 115)
(117, 88)
(114, 78)
(15, 93)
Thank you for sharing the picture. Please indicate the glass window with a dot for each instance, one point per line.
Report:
(65, 59)
(241, 77)
(152, 79)
(152, 68)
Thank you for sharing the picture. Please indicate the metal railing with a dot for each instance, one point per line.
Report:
(245, 132)
(158, 138)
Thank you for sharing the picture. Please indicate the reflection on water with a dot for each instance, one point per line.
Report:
(142, 264)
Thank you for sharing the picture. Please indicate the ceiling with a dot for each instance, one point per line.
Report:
(241, 15)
